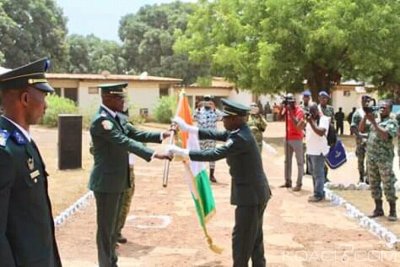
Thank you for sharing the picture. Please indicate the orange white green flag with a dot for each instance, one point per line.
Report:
(196, 174)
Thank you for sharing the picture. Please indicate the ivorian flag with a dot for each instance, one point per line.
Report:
(195, 173)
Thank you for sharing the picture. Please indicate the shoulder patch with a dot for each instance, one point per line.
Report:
(107, 125)
(4, 134)
(19, 138)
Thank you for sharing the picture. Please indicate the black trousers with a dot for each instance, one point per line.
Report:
(107, 205)
(247, 236)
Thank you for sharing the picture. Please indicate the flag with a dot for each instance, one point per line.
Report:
(196, 174)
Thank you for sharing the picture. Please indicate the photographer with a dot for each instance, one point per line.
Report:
(294, 117)
(380, 154)
(257, 124)
(207, 116)
(317, 147)
(361, 138)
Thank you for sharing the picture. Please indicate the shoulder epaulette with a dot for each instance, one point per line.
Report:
(4, 135)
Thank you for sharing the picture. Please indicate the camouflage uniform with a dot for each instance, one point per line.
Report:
(207, 119)
(398, 137)
(380, 155)
(361, 142)
(306, 109)
(257, 125)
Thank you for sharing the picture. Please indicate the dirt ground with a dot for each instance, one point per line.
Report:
(163, 230)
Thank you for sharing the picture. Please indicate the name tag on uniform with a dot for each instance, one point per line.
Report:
(35, 174)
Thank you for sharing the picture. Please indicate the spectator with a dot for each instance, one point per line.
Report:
(317, 148)
(339, 118)
(294, 141)
(207, 117)
(350, 117)
(306, 109)
(275, 111)
(380, 154)
(326, 110)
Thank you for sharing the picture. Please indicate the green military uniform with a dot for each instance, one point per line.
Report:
(250, 191)
(398, 137)
(110, 175)
(361, 142)
(380, 155)
(26, 222)
(257, 126)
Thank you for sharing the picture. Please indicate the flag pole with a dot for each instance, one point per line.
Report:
(167, 161)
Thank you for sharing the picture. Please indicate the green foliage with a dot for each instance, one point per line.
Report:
(165, 109)
(31, 29)
(89, 54)
(148, 37)
(57, 105)
(274, 45)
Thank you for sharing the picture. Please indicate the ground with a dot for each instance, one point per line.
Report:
(163, 230)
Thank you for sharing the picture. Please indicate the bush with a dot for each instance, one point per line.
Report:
(57, 105)
(165, 109)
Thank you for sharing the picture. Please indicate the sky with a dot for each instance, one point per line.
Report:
(101, 17)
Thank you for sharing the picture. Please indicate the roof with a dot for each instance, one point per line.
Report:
(218, 82)
(110, 77)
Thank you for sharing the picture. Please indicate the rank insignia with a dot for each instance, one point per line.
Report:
(31, 164)
(19, 138)
(3, 137)
(107, 125)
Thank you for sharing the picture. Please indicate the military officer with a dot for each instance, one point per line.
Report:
(257, 124)
(361, 138)
(26, 221)
(112, 140)
(380, 153)
(250, 191)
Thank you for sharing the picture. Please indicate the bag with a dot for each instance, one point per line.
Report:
(336, 156)
(331, 136)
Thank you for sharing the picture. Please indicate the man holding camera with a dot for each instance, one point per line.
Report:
(294, 116)
(317, 148)
(361, 138)
(207, 117)
(380, 154)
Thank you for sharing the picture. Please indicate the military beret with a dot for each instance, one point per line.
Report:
(232, 108)
(32, 74)
(113, 88)
(307, 93)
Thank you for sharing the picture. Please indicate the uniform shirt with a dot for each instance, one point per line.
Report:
(257, 126)
(379, 149)
(317, 145)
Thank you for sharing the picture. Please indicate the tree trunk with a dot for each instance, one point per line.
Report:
(321, 79)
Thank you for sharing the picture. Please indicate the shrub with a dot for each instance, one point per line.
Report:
(165, 109)
(57, 105)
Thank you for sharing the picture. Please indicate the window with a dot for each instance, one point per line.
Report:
(93, 90)
(163, 92)
(71, 93)
(346, 93)
(57, 91)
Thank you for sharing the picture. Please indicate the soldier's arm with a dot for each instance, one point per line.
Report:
(115, 136)
(213, 134)
(6, 180)
(143, 136)
(231, 146)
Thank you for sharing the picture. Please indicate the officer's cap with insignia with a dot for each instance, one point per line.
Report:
(32, 74)
(232, 108)
(113, 88)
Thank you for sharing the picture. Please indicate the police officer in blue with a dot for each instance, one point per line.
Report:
(113, 138)
(26, 221)
(250, 191)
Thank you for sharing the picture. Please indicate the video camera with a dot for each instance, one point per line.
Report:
(369, 104)
(288, 100)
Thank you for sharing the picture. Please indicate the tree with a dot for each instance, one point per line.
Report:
(148, 37)
(90, 54)
(30, 29)
(275, 45)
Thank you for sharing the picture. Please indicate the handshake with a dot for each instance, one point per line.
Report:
(183, 126)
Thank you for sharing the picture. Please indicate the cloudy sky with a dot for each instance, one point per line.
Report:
(101, 17)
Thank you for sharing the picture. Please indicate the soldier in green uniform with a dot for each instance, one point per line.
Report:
(305, 106)
(250, 191)
(380, 153)
(398, 135)
(112, 140)
(257, 124)
(26, 221)
(361, 138)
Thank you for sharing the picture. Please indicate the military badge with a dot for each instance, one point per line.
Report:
(19, 138)
(31, 164)
(107, 125)
(3, 137)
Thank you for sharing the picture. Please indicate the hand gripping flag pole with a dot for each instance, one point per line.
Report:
(167, 161)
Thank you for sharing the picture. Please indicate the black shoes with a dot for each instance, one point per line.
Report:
(121, 239)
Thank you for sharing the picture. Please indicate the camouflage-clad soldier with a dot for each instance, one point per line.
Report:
(398, 135)
(257, 124)
(306, 109)
(380, 154)
(361, 139)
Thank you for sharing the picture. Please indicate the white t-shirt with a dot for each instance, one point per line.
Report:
(317, 145)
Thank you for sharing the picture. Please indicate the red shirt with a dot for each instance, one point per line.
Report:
(292, 132)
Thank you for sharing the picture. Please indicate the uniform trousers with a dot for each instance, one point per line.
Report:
(247, 236)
